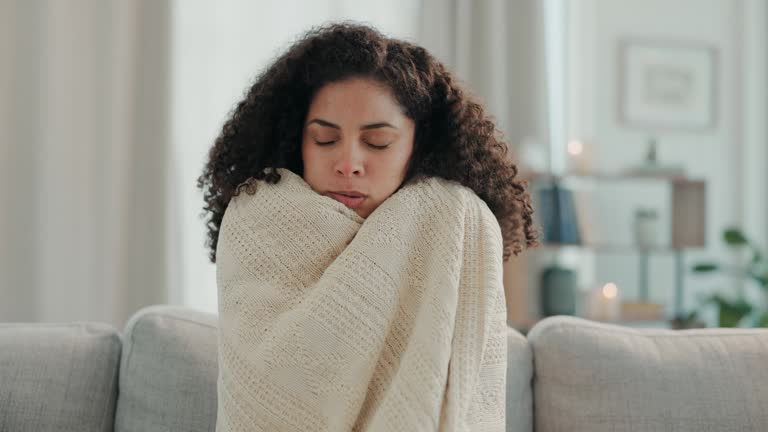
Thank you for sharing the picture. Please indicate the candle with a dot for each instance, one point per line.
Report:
(604, 303)
(578, 160)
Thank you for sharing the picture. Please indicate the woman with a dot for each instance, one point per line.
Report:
(378, 194)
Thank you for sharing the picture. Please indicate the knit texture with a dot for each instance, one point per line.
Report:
(333, 322)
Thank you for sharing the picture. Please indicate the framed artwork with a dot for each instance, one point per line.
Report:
(667, 85)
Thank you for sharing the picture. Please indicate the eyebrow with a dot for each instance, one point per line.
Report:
(364, 127)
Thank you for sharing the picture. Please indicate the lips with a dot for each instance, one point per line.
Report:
(350, 201)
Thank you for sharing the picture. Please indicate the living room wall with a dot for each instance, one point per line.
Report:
(731, 155)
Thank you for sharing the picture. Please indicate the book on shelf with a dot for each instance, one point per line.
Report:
(558, 215)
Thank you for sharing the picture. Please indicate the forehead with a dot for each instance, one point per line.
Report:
(357, 98)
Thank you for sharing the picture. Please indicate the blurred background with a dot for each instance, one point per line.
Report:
(640, 125)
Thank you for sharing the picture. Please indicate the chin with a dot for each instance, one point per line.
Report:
(364, 212)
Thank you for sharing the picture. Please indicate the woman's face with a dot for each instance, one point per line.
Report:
(356, 141)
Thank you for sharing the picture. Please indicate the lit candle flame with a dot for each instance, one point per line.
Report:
(575, 147)
(610, 290)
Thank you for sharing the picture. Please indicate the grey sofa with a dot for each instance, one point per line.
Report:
(568, 374)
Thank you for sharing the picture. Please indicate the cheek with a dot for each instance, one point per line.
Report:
(309, 156)
(400, 160)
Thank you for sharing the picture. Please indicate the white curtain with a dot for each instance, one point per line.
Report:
(85, 146)
(496, 48)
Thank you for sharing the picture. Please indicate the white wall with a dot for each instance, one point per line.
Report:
(217, 50)
(731, 157)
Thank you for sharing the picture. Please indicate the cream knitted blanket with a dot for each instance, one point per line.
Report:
(332, 322)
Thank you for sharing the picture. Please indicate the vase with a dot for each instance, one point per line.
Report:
(558, 291)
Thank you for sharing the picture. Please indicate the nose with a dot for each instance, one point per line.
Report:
(349, 161)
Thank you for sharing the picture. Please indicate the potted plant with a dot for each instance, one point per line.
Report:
(731, 311)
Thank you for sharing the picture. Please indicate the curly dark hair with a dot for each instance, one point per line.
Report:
(454, 138)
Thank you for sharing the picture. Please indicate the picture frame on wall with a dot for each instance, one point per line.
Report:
(667, 85)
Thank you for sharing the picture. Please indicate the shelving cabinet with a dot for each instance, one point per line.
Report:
(685, 217)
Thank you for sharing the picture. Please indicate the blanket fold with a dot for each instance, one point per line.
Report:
(332, 322)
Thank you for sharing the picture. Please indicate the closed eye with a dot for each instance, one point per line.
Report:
(377, 147)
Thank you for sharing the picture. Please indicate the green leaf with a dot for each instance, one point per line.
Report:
(763, 321)
(734, 237)
(760, 279)
(730, 317)
(756, 256)
(705, 267)
(731, 312)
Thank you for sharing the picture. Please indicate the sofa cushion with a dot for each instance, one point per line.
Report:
(58, 377)
(591, 376)
(168, 371)
(519, 374)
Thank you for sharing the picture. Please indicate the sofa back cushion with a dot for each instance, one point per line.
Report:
(596, 377)
(519, 396)
(168, 371)
(58, 377)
